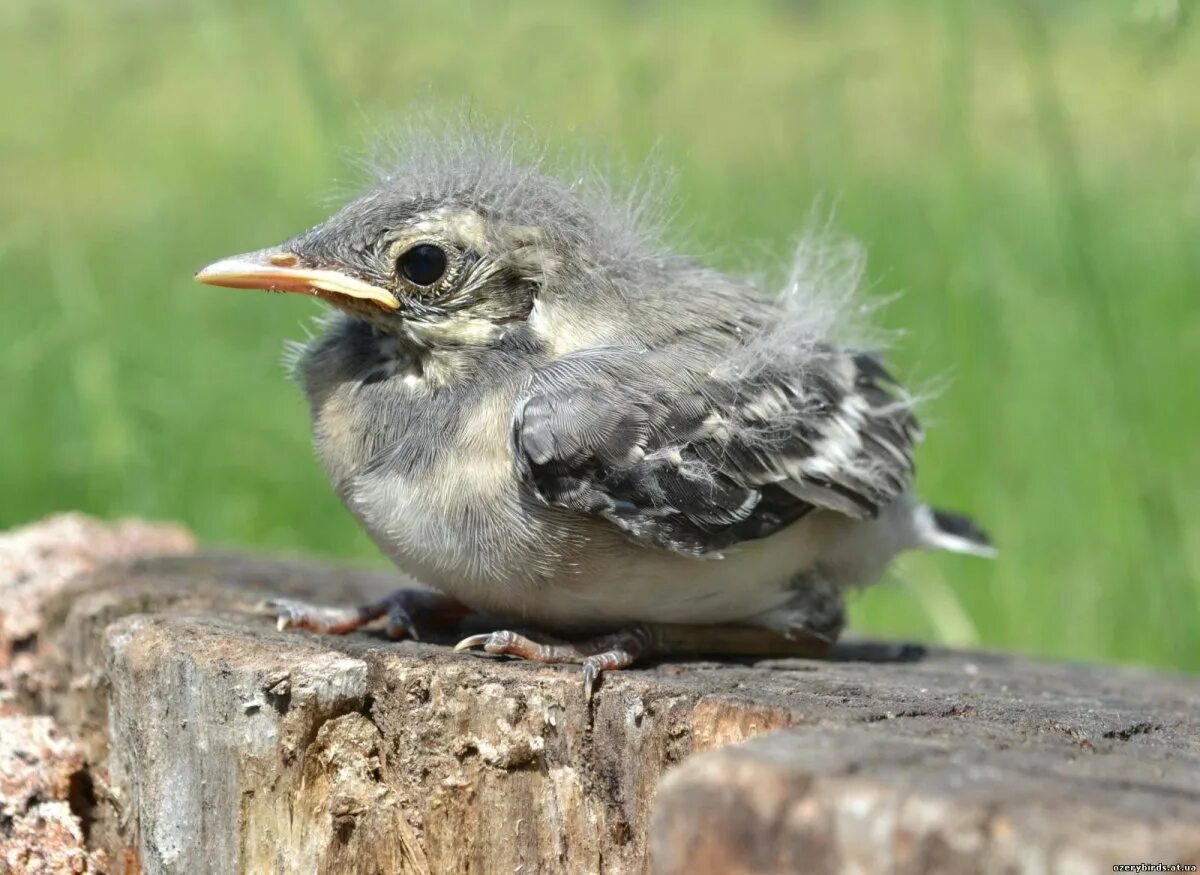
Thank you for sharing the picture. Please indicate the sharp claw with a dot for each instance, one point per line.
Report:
(472, 641)
(282, 622)
(590, 674)
(402, 627)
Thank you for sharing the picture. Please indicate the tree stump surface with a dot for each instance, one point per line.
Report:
(154, 720)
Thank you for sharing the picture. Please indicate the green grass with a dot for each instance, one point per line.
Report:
(1026, 176)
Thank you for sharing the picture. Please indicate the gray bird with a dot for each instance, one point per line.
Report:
(538, 410)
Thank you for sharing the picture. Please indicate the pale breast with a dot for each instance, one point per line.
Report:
(461, 520)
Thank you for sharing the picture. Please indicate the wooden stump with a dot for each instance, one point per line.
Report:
(207, 741)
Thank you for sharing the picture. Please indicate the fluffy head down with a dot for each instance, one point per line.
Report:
(548, 252)
(503, 175)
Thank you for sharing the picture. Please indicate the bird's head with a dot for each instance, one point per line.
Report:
(455, 248)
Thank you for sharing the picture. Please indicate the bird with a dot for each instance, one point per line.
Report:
(546, 415)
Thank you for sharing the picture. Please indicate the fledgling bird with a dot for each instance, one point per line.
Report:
(537, 409)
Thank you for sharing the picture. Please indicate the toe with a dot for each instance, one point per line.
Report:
(400, 625)
(591, 674)
(288, 614)
(500, 643)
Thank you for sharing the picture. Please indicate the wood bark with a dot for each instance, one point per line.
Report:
(208, 741)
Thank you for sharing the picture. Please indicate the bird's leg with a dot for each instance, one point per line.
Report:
(597, 655)
(816, 611)
(622, 649)
(407, 611)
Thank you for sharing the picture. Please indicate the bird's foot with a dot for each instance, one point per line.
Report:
(407, 611)
(596, 655)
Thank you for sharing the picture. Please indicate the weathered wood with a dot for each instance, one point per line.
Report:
(46, 791)
(218, 744)
(921, 796)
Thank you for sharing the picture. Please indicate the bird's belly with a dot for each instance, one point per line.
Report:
(641, 584)
(505, 554)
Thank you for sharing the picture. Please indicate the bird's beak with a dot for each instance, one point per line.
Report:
(276, 270)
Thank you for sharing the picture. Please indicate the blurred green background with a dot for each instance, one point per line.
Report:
(1025, 175)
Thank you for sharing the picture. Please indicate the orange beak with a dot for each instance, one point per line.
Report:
(274, 270)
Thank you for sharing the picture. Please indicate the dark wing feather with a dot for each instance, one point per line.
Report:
(697, 462)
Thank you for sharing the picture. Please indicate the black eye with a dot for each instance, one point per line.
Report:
(423, 264)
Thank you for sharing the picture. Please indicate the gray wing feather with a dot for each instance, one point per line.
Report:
(694, 462)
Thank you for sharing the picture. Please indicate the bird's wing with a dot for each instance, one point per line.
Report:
(697, 462)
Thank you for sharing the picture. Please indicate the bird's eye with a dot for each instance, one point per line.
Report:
(422, 265)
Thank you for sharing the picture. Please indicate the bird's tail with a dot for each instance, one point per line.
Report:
(943, 530)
